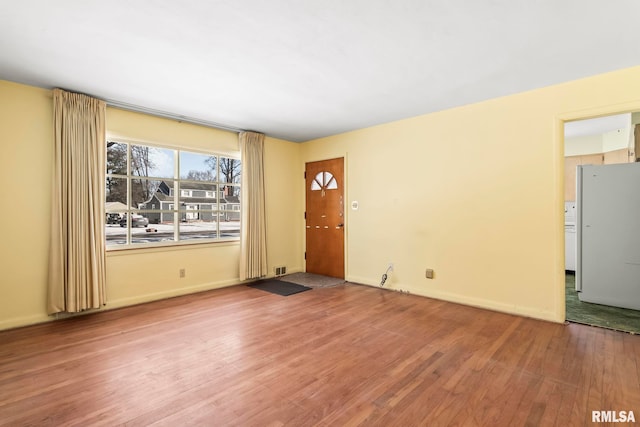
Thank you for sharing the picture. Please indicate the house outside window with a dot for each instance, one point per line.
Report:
(162, 196)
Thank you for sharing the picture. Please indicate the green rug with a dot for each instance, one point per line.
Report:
(620, 319)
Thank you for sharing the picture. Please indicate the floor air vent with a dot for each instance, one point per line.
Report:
(281, 271)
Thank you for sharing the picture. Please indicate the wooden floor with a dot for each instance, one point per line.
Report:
(341, 356)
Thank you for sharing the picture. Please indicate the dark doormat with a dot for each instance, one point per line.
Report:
(279, 287)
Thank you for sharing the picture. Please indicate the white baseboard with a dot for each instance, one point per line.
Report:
(465, 300)
(17, 322)
(139, 299)
(445, 296)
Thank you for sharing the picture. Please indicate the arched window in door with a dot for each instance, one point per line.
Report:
(324, 181)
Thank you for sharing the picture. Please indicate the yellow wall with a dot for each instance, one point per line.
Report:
(26, 135)
(474, 193)
(136, 275)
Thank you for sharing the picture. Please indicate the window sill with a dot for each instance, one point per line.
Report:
(168, 247)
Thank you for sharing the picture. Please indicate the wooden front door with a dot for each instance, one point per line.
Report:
(325, 217)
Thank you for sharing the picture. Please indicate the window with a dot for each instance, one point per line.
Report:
(324, 181)
(164, 196)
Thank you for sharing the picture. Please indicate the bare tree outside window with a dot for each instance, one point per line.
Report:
(196, 175)
(117, 165)
(146, 162)
(198, 167)
(141, 163)
(230, 170)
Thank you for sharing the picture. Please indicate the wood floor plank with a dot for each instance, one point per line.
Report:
(346, 355)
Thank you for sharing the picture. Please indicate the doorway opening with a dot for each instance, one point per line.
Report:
(610, 140)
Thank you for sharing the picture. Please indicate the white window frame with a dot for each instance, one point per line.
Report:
(175, 207)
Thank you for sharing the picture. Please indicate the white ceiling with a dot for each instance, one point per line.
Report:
(300, 70)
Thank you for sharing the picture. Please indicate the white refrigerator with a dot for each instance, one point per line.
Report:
(608, 234)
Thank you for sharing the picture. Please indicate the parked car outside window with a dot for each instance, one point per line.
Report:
(113, 218)
(136, 221)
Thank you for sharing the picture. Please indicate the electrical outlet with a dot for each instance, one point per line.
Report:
(183, 273)
(429, 273)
